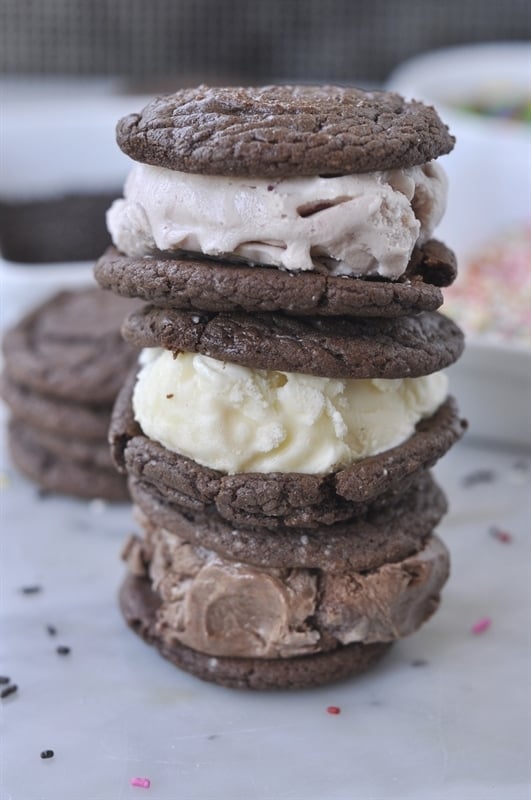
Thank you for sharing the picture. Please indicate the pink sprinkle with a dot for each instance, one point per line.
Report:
(333, 710)
(501, 536)
(482, 625)
(144, 783)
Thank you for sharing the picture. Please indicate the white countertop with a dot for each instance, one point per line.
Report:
(455, 728)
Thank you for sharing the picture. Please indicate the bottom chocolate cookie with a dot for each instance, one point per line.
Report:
(58, 473)
(139, 606)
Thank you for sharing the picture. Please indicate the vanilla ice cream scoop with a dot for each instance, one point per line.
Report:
(364, 224)
(236, 419)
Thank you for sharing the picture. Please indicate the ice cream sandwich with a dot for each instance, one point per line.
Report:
(291, 396)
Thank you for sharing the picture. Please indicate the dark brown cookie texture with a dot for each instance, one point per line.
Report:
(78, 420)
(386, 531)
(139, 604)
(195, 282)
(272, 500)
(60, 473)
(64, 364)
(339, 347)
(283, 131)
(70, 347)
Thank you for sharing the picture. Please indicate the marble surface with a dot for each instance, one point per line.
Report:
(445, 716)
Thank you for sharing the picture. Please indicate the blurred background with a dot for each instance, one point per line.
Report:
(69, 69)
(179, 42)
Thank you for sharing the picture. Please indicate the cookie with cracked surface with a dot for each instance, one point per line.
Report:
(69, 347)
(283, 131)
(386, 531)
(139, 605)
(57, 473)
(200, 283)
(341, 347)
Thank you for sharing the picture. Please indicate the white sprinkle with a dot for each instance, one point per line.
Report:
(212, 663)
(304, 540)
(196, 319)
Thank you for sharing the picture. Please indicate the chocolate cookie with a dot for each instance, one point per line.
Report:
(383, 532)
(292, 499)
(339, 347)
(79, 420)
(281, 131)
(139, 605)
(57, 473)
(70, 347)
(200, 283)
(93, 453)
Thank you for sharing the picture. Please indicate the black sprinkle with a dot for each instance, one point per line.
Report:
(479, 476)
(52, 630)
(63, 650)
(213, 736)
(9, 690)
(419, 662)
(42, 494)
(31, 589)
(47, 754)
(4, 680)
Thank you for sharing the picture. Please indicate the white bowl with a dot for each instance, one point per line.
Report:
(489, 194)
(488, 170)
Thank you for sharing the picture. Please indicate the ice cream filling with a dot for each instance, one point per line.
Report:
(227, 608)
(237, 419)
(365, 224)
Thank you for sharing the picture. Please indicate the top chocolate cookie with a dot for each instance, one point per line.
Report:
(283, 131)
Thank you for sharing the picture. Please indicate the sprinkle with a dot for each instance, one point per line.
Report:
(479, 476)
(62, 650)
(8, 690)
(419, 662)
(482, 625)
(52, 630)
(169, 396)
(333, 710)
(4, 680)
(47, 754)
(500, 535)
(143, 783)
(31, 589)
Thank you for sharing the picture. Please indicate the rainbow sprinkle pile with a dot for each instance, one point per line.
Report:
(492, 296)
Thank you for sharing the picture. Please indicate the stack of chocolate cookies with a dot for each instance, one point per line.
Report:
(289, 403)
(64, 364)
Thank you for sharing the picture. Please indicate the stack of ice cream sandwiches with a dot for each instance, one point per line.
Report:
(290, 398)
(64, 364)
